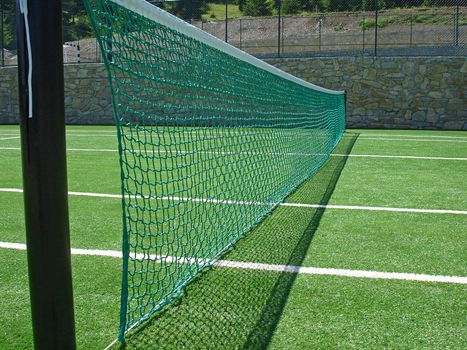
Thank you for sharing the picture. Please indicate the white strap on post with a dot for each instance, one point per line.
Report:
(23, 6)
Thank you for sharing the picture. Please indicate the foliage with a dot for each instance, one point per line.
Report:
(313, 5)
(9, 37)
(187, 9)
(240, 4)
(424, 19)
(257, 8)
(344, 5)
(291, 6)
(217, 10)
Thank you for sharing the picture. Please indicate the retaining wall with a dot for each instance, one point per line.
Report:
(383, 92)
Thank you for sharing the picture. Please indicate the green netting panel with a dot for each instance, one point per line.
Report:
(210, 142)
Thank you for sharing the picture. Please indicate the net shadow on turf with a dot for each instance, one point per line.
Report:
(234, 308)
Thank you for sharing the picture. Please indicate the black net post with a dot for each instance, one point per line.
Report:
(44, 172)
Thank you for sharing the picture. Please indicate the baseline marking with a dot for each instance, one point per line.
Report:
(282, 204)
(260, 153)
(265, 267)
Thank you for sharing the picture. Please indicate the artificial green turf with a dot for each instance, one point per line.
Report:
(399, 183)
(339, 313)
(392, 132)
(227, 308)
(241, 309)
(361, 240)
(96, 289)
(412, 147)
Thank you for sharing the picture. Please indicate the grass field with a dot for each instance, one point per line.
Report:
(372, 177)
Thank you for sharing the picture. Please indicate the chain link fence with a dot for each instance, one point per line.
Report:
(370, 28)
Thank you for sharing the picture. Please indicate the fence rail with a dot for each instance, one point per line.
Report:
(383, 32)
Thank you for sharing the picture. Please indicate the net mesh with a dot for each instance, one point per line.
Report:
(209, 144)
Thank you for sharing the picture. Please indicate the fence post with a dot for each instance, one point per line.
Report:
(411, 31)
(2, 44)
(279, 29)
(240, 33)
(376, 27)
(457, 22)
(282, 34)
(226, 19)
(364, 23)
(319, 32)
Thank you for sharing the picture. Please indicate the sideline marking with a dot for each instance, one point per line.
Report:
(391, 156)
(9, 138)
(281, 204)
(202, 132)
(414, 136)
(398, 139)
(264, 267)
(261, 153)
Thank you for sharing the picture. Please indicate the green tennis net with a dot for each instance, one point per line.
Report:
(211, 139)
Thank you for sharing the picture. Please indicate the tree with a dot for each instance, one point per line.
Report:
(257, 8)
(7, 34)
(346, 5)
(9, 20)
(187, 9)
(241, 4)
(291, 7)
(313, 5)
(370, 5)
(72, 10)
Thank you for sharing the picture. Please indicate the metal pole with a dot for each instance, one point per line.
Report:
(190, 12)
(78, 53)
(226, 19)
(2, 43)
(411, 31)
(240, 33)
(283, 36)
(364, 32)
(376, 27)
(279, 29)
(319, 32)
(457, 22)
(44, 174)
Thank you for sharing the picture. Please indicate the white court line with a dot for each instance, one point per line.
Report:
(264, 267)
(282, 204)
(9, 138)
(391, 156)
(412, 139)
(414, 136)
(260, 153)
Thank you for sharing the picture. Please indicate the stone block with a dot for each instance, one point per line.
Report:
(419, 116)
(437, 69)
(432, 116)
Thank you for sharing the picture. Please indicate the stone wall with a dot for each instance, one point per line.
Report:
(392, 92)
(87, 95)
(383, 92)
